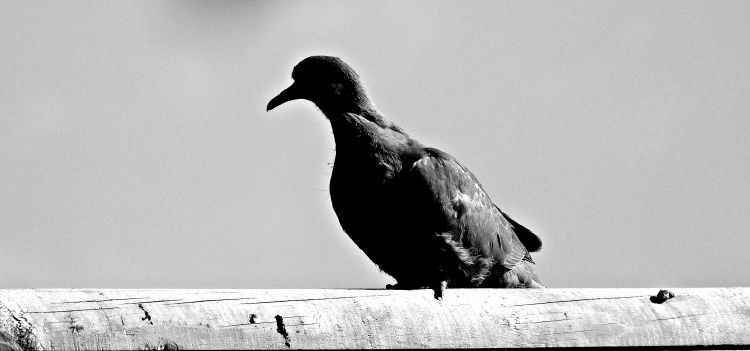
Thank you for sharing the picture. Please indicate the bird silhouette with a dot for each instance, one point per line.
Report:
(415, 211)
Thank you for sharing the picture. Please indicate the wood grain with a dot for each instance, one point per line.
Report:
(371, 319)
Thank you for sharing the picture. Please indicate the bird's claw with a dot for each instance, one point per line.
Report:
(439, 290)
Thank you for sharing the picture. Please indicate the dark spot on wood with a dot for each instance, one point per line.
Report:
(168, 345)
(252, 318)
(163, 345)
(662, 296)
(72, 322)
(147, 316)
(76, 328)
(281, 329)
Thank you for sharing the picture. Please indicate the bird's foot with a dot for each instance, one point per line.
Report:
(439, 289)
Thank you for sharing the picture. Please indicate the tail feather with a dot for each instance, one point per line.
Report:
(530, 240)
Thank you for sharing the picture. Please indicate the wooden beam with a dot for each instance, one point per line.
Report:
(371, 319)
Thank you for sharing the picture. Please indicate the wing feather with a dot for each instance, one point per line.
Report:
(455, 203)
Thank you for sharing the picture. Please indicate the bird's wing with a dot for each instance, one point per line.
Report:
(451, 199)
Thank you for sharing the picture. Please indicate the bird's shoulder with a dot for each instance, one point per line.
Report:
(382, 122)
(371, 122)
(438, 167)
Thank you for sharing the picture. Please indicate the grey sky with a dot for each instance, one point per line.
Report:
(136, 150)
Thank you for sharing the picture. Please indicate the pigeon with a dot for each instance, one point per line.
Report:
(420, 215)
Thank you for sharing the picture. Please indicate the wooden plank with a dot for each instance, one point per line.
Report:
(371, 319)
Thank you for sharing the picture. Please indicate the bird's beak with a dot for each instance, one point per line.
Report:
(288, 94)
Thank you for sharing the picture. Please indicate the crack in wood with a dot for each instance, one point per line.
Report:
(109, 323)
(683, 316)
(312, 299)
(256, 323)
(74, 310)
(244, 324)
(212, 300)
(150, 301)
(550, 321)
(575, 331)
(102, 300)
(577, 300)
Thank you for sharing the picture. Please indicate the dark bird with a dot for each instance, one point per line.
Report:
(415, 211)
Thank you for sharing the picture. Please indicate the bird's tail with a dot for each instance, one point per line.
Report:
(531, 241)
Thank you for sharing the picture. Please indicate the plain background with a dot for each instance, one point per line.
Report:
(135, 150)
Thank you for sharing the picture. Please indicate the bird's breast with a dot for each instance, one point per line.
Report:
(361, 194)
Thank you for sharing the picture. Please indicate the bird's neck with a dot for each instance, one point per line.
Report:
(351, 130)
(347, 97)
(359, 105)
(355, 133)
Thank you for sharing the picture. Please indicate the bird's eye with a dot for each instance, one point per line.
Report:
(337, 88)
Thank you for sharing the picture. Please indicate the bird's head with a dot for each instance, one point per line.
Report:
(329, 83)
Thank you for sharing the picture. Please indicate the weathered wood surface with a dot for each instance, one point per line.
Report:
(335, 319)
